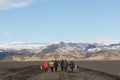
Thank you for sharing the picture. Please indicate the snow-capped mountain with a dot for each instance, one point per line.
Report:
(73, 50)
(63, 46)
(19, 46)
(80, 47)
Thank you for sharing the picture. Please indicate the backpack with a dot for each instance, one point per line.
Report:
(46, 65)
(72, 64)
(56, 64)
(51, 64)
(62, 63)
(65, 64)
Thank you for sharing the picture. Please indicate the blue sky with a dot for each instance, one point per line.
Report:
(59, 20)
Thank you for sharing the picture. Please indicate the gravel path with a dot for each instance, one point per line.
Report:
(80, 74)
(34, 73)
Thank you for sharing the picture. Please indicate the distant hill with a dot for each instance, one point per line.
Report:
(61, 50)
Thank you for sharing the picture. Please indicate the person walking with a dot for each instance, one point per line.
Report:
(72, 65)
(51, 64)
(45, 66)
(65, 65)
(62, 65)
(56, 65)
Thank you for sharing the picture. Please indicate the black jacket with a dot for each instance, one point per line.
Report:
(72, 65)
(56, 63)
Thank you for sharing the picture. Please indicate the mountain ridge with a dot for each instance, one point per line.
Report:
(71, 50)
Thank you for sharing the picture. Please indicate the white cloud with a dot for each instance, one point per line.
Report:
(7, 34)
(8, 4)
(103, 38)
(106, 40)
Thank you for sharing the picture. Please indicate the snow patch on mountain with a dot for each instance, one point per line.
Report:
(19, 46)
(63, 47)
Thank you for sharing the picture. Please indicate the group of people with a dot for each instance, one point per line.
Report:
(63, 64)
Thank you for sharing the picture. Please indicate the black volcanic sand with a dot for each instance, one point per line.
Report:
(110, 67)
(31, 71)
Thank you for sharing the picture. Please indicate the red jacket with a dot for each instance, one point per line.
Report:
(45, 65)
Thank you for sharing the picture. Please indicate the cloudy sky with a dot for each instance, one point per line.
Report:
(59, 20)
